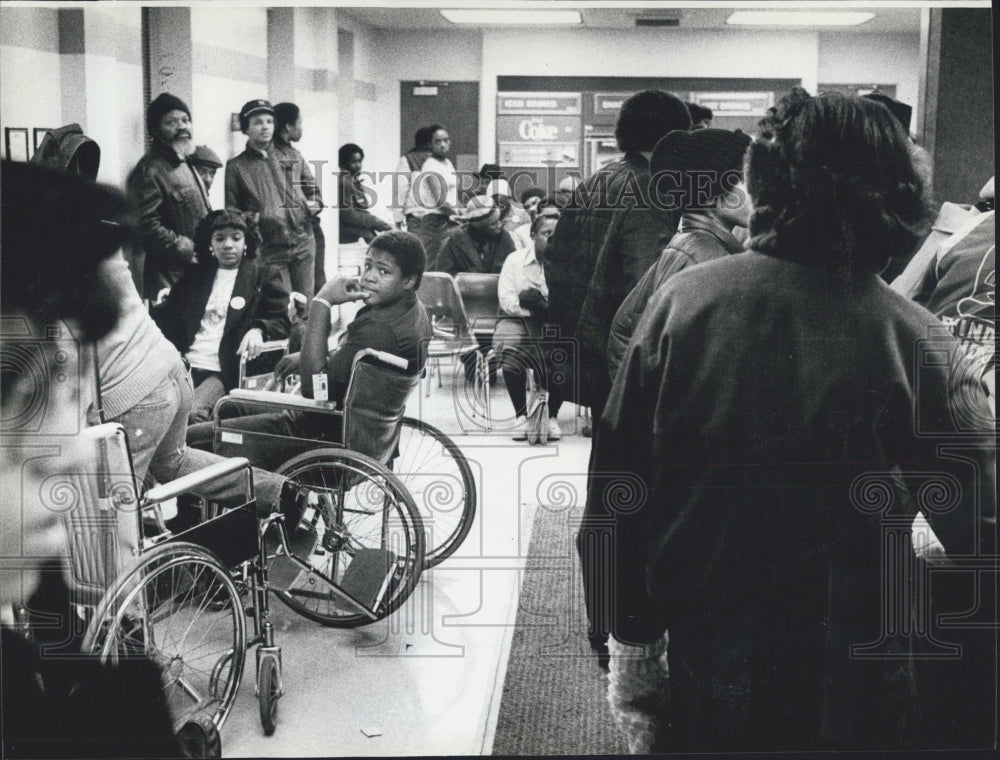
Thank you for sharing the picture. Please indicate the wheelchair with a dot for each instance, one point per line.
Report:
(175, 598)
(394, 495)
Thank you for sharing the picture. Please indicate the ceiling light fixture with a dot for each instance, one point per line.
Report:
(799, 18)
(511, 16)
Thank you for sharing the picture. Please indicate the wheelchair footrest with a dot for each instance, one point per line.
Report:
(368, 575)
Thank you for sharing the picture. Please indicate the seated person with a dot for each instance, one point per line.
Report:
(223, 307)
(480, 244)
(523, 298)
(513, 216)
(356, 221)
(392, 320)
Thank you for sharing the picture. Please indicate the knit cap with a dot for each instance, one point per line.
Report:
(694, 163)
(162, 105)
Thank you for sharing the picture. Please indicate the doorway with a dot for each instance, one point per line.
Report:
(454, 105)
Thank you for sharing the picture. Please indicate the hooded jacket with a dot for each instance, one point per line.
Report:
(69, 150)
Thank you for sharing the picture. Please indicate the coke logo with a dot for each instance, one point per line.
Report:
(536, 130)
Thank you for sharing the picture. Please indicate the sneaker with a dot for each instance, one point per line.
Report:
(520, 428)
(554, 432)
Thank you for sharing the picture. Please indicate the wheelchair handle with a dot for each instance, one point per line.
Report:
(190, 482)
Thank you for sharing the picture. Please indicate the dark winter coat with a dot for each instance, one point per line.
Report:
(778, 427)
(171, 200)
(699, 239)
(605, 241)
(265, 306)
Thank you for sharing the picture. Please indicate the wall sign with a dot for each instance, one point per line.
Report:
(734, 103)
(609, 103)
(539, 103)
(527, 154)
(528, 128)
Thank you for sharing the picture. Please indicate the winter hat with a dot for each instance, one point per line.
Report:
(684, 159)
(480, 208)
(161, 106)
(205, 156)
(901, 111)
(69, 150)
(251, 108)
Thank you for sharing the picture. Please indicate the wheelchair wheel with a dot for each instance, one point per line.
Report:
(179, 607)
(268, 691)
(438, 477)
(360, 528)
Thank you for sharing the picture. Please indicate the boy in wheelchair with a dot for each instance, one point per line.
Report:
(392, 320)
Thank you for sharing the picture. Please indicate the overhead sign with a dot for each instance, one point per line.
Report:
(539, 103)
(734, 103)
(529, 154)
(538, 128)
(609, 102)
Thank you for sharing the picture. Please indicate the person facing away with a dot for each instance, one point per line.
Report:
(702, 172)
(479, 244)
(169, 195)
(356, 221)
(269, 182)
(592, 270)
(224, 307)
(779, 424)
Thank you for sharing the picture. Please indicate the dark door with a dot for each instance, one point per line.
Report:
(454, 105)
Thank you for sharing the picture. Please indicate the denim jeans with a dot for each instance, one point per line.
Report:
(208, 388)
(157, 427)
(296, 263)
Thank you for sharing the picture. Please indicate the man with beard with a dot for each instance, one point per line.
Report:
(169, 194)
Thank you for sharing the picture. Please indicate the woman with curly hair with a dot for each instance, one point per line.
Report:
(224, 306)
(785, 412)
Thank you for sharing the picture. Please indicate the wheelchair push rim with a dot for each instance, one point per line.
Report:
(167, 608)
(437, 475)
(360, 510)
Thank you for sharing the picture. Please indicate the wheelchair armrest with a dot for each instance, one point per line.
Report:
(382, 356)
(189, 483)
(284, 399)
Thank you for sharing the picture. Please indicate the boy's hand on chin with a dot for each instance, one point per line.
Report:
(342, 290)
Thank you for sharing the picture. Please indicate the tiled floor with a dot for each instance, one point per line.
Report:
(428, 680)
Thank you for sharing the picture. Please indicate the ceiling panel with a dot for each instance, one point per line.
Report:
(886, 19)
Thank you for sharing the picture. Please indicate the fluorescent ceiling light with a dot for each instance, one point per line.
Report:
(799, 18)
(511, 16)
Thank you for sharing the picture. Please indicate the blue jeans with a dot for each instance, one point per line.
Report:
(157, 428)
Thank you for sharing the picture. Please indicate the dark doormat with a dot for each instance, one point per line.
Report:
(554, 695)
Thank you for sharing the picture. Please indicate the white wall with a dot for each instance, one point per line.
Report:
(115, 116)
(29, 65)
(876, 59)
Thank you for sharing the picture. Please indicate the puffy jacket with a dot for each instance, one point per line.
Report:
(171, 200)
(699, 238)
(586, 264)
